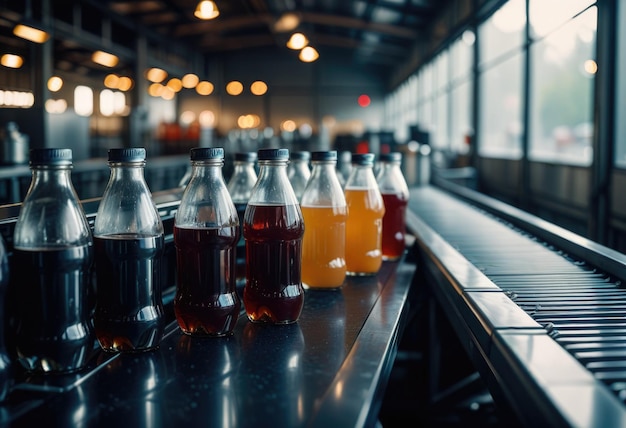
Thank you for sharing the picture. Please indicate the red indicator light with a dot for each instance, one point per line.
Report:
(364, 100)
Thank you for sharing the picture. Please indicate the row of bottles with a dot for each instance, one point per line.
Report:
(257, 218)
(55, 314)
(337, 244)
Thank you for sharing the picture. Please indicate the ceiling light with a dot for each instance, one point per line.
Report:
(204, 88)
(190, 80)
(55, 83)
(30, 32)
(297, 41)
(175, 84)
(112, 81)
(206, 9)
(308, 54)
(287, 22)
(125, 84)
(104, 58)
(258, 87)
(11, 61)
(234, 88)
(156, 75)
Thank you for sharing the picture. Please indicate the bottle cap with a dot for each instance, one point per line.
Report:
(330, 155)
(390, 157)
(273, 154)
(304, 155)
(363, 158)
(206, 153)
(134, 154)
(51, 156)
(245, 156)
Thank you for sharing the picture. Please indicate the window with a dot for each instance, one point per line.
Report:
(500, 110)
(561, 92)
(620, 97)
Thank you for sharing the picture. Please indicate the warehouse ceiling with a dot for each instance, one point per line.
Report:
(374, 33)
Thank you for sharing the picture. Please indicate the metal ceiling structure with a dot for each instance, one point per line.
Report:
(374, 33)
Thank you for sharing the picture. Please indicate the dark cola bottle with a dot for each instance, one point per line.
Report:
(206, 231)
(395, 193)
(128, 241)
(6, 362)
(273, 229)
(52, 257)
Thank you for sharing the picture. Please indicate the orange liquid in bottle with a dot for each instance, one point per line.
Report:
(323, 246)
(364, 231)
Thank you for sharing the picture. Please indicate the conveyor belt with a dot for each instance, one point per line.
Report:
(578, 306)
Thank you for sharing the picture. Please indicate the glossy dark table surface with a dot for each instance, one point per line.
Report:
(329, 369)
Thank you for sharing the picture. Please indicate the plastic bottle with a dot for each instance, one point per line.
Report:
(206, 230)
(395, 193)
(324, 211)
(128, 239)
(50, 281)
(240, 187)
(365, 218)
(273, 229)
(6, 363)
(298, 171)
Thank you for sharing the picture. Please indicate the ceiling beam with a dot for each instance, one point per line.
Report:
(307, 17)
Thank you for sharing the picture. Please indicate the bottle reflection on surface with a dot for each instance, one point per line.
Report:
(277, 352)
(137, 402)
(73, 412)
(205, 373)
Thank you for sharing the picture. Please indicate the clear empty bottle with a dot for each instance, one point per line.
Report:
(273, 229)
(364, 225)
(128, 240)
(324, 211)
(240, 186)
(395, 193)
(298, 171)
(206, 231)
(52, 257)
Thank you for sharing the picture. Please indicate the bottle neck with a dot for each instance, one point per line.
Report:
(52, 175)
(273, 186)
(127, 171)
(321, 168)
(361, 176)
(273, 166)
(209, 168)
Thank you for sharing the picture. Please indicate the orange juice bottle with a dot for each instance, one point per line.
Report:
(365, 218)
(324, 212)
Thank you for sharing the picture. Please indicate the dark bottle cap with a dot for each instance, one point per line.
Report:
(273, 154)
(330, 155)
(390, 157)
(206, 153)
(245, 156)
(363, 158)
(51, 156)
(134, 154)
(304, 155)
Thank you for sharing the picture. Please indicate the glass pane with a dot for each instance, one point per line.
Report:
(620, 99)
(440, 138)
(503, 32)
(441, 71)
(547, 15)
(461, 54)
(500, 129)
(561, 104)
(460, 121)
